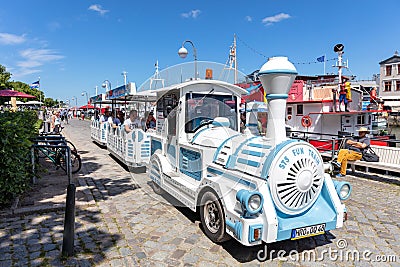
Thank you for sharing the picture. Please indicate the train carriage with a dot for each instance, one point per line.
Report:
(132, 148)
(98, 130)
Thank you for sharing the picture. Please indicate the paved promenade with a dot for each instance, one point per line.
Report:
(120, 221)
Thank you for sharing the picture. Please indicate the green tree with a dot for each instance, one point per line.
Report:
(50, 102)
(23, 87)
(17, 86)
(4, 77)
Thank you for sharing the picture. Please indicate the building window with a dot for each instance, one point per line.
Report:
(360, 119)
(299, 110)
(389, 70)
(398, 85)
(388, 86)
(398, 68)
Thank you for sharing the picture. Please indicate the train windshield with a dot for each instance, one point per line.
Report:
(203, 108)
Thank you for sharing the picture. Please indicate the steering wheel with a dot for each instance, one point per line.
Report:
(204, 122)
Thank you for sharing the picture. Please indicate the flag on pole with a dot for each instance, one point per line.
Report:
(34, 85)
(321, 59)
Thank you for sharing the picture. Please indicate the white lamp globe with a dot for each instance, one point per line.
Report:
(182, 52)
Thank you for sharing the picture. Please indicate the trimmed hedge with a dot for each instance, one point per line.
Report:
(16, 131)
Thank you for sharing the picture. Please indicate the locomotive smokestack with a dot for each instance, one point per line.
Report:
(277, 76)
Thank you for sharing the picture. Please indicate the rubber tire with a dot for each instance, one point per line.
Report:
(156, 188)
(210, 200)
(76, 162)
(72, 146)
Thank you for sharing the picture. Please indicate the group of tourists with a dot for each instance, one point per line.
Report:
(113, 118)
(117, 119)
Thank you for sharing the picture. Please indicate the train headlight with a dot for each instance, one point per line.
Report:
(343, 189)
(252, 202)
(255, 202)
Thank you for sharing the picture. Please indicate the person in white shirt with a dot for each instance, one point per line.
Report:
(55, 123)
(132, 122)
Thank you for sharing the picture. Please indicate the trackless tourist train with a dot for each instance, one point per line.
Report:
(252, 188)
(99, 132)
(132, 148)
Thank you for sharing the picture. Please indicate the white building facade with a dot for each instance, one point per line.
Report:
(389, 89)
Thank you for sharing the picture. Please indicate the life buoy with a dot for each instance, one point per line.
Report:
(289, 117)
(306, 121)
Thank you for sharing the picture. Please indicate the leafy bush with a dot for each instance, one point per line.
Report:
(16, 131)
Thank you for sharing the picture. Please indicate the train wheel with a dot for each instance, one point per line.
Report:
(213, 218)
(155, 175)
(157, 189)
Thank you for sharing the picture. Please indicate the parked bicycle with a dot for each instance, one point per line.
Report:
(51, 145)
(58, 132)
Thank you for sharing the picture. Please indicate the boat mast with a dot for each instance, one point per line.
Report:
(156, 77)
(231, 63)
(234, 58)
(339, 50)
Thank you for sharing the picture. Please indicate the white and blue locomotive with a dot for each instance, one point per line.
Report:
(252, 188)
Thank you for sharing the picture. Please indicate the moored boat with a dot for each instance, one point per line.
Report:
(314, 113)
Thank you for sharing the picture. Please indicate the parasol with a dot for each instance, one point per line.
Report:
(88, 107)
(12, 93)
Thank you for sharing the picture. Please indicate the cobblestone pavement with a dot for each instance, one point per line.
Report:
(120, 221)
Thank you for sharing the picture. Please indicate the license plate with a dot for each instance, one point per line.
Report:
(308, 231)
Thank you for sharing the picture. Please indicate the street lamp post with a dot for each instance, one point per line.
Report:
(107, 85)
(124, 73)
(182, 52)
(67, 103)
(87, 102)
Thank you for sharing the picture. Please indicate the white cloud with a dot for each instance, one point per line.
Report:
(99, 9)
(34, 58)
(10, 39)
(249, 19)
(24, 72)
(276, 18)
(191, 14)
(29, 64)
(40, 55)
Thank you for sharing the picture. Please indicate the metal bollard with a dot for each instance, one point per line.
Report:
(33, 161)
(69, 222)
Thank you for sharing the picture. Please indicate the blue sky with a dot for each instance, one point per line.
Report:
(74, 46)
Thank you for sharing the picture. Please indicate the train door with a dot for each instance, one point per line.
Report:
(169, 109)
